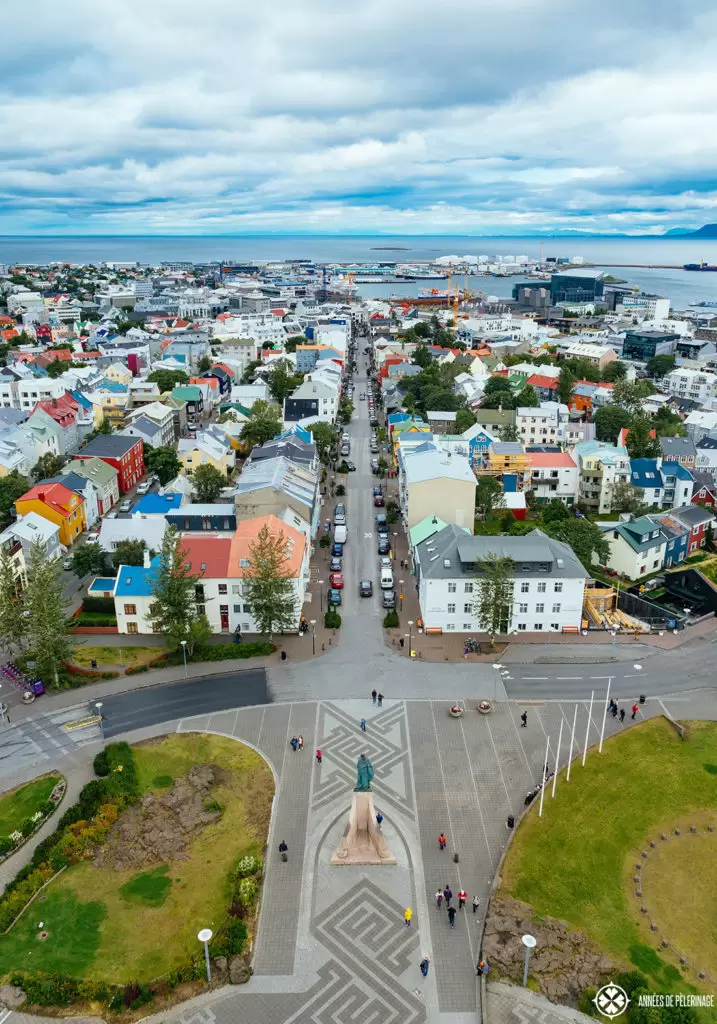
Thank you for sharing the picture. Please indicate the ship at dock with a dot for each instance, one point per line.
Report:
(699, 266)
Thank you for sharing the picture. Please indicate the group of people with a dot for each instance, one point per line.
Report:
(615, 712)
(446, 895)
(376, 697)
(297, 742)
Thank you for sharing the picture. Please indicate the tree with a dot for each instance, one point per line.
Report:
(291, 343)
(208, 483)
(495, 384)
(626, 498)
(250, 370)
(509, 432)
(609, 420)
(13, 622)
(269, 585)
(658, 366)
(163, 461)
(264, 423)
(614, 371)
(48, 638)
(630, 394)
(105, 426)
(174, 589)
(57, 367)
(668, 424)
(489, 495)
(493, 598)
(346, 410)
(640, 443)
(12, 487)
(422, 357)
(585, 538)
(204, 364)
(528, 398)
(127, 552)
(282, 382)
(47, 465)
(464, 420)
(88, 560)
(566, 383)
(198, 632)
(324, 435)
(554, 511)
(166, 380)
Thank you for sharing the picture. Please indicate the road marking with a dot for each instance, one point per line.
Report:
(600, 677)
(536, 679)
(79, 723)
(559, 679)
(4, 1015)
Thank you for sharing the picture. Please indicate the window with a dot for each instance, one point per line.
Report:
(468, 608)
(556, 608)
(540, 608)
(524, 588)
(131, 627)
(467, 625)
(222, 588)
(451, 588)
(522, 626)
(244, 563)
(522, 609)
(236, 588)
(555, 626)
(237, 609)
(542, 587)
(201, 609)
(451, 625)
(246, 626)
(130, 609)
(247, 609)
(537, 626)
(468, 588)
(558, 588)
(451, 609)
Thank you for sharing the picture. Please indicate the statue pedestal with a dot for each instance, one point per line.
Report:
(362, 843)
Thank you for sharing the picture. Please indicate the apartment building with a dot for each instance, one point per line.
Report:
(553, 475)
(542, 425)
(699, 385)
(603, 467)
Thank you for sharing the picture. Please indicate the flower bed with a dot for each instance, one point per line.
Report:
(11, 844)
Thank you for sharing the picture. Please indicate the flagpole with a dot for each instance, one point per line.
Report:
(587, 730)
(572, 740)
(557, 759)
(545, 765)
(604, 714)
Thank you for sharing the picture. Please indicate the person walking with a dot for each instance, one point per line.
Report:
(442, 841)
(294, 742)
(524, 720)
(476, 903)
(622, 715)
(300, 742)
(439, 898)
(380, 700)
(318, 756)
(407, 915)
(362, 723)
(448, 895)
(452, 916)
(614, 711)
(635, 709)
(462, 897)
(373, 696)
(379, 820)
(424, 964)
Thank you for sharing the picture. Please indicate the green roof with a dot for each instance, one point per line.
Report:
(187, 392)
(426, 528)
(95, 468)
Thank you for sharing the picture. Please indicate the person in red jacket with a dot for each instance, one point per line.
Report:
(442, 841)
(462, 897)
(318, 756)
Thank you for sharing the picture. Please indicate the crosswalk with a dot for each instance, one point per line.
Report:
(46, 737)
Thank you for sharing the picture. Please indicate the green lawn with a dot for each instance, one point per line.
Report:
(21, 803)
(576, 863)
(131, 656)
(73, 930)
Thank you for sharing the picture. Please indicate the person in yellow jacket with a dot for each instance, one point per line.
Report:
(407, 916)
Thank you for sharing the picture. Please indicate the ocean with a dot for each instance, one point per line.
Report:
(682, 287)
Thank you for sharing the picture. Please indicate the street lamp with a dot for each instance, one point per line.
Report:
(410, 637)
(98, 705)
(184, 652)
(393, 550)
(313, 635)
(321, 594)
(530, 943)
(400, 596)
(204, 936)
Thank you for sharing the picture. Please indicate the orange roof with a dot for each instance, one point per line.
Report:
(541, 381)
(208, 556)
(552, 459)
(211, 381)
(9, 333)
(56, 496)
(246, 534)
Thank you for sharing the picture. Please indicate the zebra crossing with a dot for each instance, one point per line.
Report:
(47, 737)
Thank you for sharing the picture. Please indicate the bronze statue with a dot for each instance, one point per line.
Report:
(364, 772)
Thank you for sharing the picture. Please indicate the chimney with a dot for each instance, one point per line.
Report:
(41, 495)
(146, 559)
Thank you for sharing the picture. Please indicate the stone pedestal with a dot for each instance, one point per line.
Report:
(362, 843)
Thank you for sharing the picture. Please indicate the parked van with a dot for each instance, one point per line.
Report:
(386, 578)
(339, 535)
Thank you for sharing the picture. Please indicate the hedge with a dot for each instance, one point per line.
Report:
(101, 605)
(94, 619)
(332, 619)
(224, 652)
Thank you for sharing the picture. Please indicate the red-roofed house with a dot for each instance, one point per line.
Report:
(59, 355)
(8, 334)
(61, 417)
(547, 387)
(553, 475)
(59, 505)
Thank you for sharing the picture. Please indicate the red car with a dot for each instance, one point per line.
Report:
(337, 581)
(378, 500)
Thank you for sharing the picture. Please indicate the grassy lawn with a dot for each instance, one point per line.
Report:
(577, 862)
(131, 656)
(141, 925)
(21, 803)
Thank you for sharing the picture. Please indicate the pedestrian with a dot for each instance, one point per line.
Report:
(614, 711)
(622, 715)
(408, 914)
(462, 897)
(439, 898)
(448, 895)
(476, 903)
(442, 841)
(452, 916)
(524, 720)
(379, 820)
(635, 709)
(294, 743)
(363, 724)
(300, 742)
(373, 696)
(380, 700)
(318, 756)
(482, 967)
(424, 964)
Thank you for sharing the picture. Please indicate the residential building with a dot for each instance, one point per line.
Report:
(598, 355)
(205, 450)
(126, 454)
(603, 468)
(696, 519)
(104, 477)
(197, 518)
(22, 534)
(82, 485)
(699, 385)
(541, 425)
(149, 529)
(705, 492)
(63, 412)
(267, 487)
(154, 504)
(679, 449)
(509, 459)
(59, 505)
(548, 585)
(701, 423)
(436, 483)
(441, 422)
(160, 414)
(192, 395)
(637, 547)
(553, 475)
(677, 539)
(650, 307)
(324, 394)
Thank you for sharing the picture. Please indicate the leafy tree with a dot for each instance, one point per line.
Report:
(346, 410)
(422, 329)
(626, 498)
(208, 482)
(493, 596)
(58, 367)
(489, 495)
(88, 560)
(204, 364)
(614, 371)
(464, 420)
(105, 426)
(264, 423)
(269, 586)
(583, 369)
(640, 444)
(12, 487)
(13, 623)
(282, 382)
(554, 511)
(668, 424)
(441, 399)
(163, 461)
(528, 397)
(495, 384)
(291, 343)
(127, 552)
(324, 435)
(566, 383)
(630, 394)
(166, 380)
(250, 371)
(197, 633)
(658, 366)
(47, 465)
(174, 589)
(422, 357)
(509, 432)
(585, 538)
(609, 421)
(48, 638)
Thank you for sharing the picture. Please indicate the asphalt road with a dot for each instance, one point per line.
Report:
(155, 704)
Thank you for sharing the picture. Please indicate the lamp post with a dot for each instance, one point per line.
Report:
(393, 549)
(184, 652)
(410, 637)
(313, 635)
(204, 936)
(400, 596)
(98, 705)
(530, 943)
(321, 595)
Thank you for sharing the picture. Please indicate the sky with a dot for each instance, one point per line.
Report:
(477, 117)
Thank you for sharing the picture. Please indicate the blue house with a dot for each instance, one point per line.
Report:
(645, 475)
(678, 539)
(679, 484)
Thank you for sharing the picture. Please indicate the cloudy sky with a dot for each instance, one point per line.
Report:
(389, 116)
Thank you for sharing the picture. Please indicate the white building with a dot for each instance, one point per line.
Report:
(553, 475)
(699, 385)
(543, 424)
(548, 586)
(649, 307)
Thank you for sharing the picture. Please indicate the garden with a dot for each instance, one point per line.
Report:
(166, 840)
(627, 856)
(25, 809)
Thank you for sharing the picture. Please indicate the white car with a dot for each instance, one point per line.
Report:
(125, 506)
(143, 487)
(385, 562)
(92, 538)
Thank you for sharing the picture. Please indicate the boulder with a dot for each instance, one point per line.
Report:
(239, 971)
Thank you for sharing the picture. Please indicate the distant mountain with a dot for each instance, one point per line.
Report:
(706, 231)
(678, 233)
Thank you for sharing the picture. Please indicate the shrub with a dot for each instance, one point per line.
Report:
(99, 605)
(6, 844)
(248, 891)
(231, 939)
(46, 989)
(340, 491)
(332, 619)
(249, 866)
(134, 670)
(28, 827)
(101, 764)
(94, 619)
(391, 620)
(225, 652)
(325, 541)
(586, 1004)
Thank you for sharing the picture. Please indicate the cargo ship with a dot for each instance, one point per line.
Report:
(699, 266)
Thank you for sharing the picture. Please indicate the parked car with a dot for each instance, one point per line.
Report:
(92, 538)
(143, 487)
(374, 448)
(339, 519)
(388, 598)
(335, 565)
(385, 561)
(67, 563)
(381, 523)
(362, 397)
(374, 465)
(345, 450)
(126, 506)
(384, 546)
(377, 490)
(378, 500)
(337, 581)
(351, 467)
(366, 588)
(340, 508)
(334, 596)
(337, 550)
